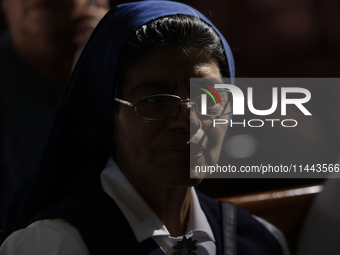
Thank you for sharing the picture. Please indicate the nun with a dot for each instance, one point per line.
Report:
(114, 177)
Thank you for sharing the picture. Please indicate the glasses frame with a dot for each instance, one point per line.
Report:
(192, 103)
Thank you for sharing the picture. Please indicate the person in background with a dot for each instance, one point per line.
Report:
(36, 57)
(321, 227)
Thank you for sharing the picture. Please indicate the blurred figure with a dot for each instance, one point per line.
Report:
(36, 57)
(321, 229)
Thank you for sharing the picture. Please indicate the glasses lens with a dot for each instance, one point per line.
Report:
(212, 103)
(158, 107)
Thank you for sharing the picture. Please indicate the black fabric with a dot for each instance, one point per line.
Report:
(100, 221)
(229, 227)
(27, 105)
(212, 210)
(251, 236)
(104, 228)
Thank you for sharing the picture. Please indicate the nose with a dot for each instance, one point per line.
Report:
(181, 119)
(195, 122)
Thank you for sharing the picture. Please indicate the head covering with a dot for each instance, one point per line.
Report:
(78, 143)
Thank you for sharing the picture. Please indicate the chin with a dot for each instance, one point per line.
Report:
(186, 182)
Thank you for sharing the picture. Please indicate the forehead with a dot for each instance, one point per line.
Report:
(166, 70)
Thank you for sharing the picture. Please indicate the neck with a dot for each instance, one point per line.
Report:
(171, 204)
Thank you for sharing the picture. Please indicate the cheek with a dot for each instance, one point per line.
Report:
(214, 140)
(135, 138)
(125, 132)
(11, 10)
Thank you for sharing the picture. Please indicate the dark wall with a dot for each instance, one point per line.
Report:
(279, 38)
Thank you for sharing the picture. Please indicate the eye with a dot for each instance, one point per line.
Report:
(211, 102)
(155, 99)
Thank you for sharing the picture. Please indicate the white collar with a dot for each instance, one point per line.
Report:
(143, 221)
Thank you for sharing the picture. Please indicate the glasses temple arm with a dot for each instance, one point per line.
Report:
(124, 102)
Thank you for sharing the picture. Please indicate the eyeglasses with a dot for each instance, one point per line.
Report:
(163, 106)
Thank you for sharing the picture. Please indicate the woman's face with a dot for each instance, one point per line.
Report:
(40, 16)
(157, 151)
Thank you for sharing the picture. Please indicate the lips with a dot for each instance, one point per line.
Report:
(183, 147)
(176, 149)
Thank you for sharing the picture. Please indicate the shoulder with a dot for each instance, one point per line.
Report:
(256, 234)
(253, 235)
(45, 237)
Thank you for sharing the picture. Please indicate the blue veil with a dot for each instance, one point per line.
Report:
(78, 145)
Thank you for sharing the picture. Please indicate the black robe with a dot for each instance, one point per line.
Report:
(105, 230)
